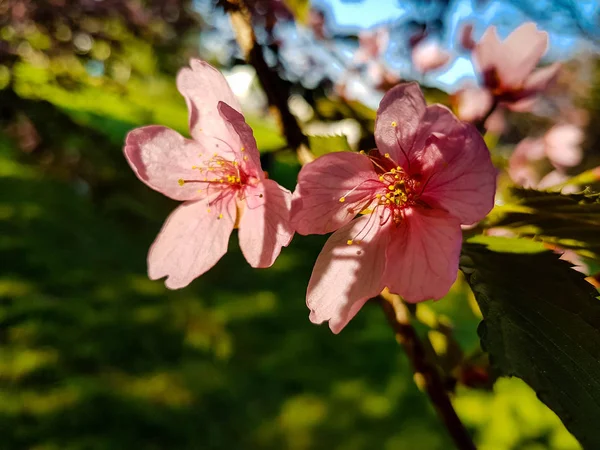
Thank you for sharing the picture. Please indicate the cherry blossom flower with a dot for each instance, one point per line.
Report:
(508, 67)
(217, 174)
(561, 146)
(508, 71)
(428, 55)
(396, 211)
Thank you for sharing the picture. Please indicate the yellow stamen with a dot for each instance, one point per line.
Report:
(394, 124)
(342, 199)
(220, 216)
(181, 182)
(349, 242)
(387, 155)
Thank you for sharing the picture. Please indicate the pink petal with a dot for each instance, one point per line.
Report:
(160, 157)
(265, 227)
(428, 56)
(316, 207)
(241, 141)
(204, 87)
(473, 103)
(522, 50)
(346, 276)
(496, 123)
(540, 79)
(525, 104)
(457, 170)
(398, 118)
(563, 145)
(552, 179)
(422, 256)
(489, 51)
(191, 241)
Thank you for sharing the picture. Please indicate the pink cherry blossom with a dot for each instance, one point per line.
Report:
(428, 56)
(563, 145)
(508, 67)
(396, 211)
(218, 175)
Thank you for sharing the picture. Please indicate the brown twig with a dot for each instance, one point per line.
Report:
(276, 90)
(480, 124)
(398, 316)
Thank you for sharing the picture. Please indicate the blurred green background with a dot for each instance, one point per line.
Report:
(96, 356)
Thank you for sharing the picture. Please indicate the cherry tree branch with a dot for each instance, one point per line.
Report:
(427, 374)
(276, 90)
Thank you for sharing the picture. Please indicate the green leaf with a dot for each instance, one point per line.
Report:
(541, 323)
(571, 221)
(508, 245)
(321, 145)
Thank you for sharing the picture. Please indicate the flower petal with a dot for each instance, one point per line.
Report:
(458, 174)
(488, 51)
(563, 145)
(522, 50)
(191, 241)
(422, 256)
(398, 117)
(346, 276)
(160, 157)
(204, 87)
(428, 56)
(265, 228)
(316, 206)
(473, 103)
(242, 140)
(540, 79)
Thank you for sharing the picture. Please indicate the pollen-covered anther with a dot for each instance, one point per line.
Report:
(349, 242)
(394, 124)
(342, 199)
(181, 182)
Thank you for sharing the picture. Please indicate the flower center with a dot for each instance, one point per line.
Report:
(397, 191)
(217, 170)
(219, 178)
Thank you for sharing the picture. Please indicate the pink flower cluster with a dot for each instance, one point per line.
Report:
(396, 211)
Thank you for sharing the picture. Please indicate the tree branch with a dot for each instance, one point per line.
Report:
(276, 90)
(398, 315)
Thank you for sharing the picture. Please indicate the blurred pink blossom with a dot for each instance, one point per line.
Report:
(560, 145)
(473, 103)
(520, 164)
(218, 175)
(508, 67)
(563, 145)
(371, 48)
(427, 55)
(396, 212)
